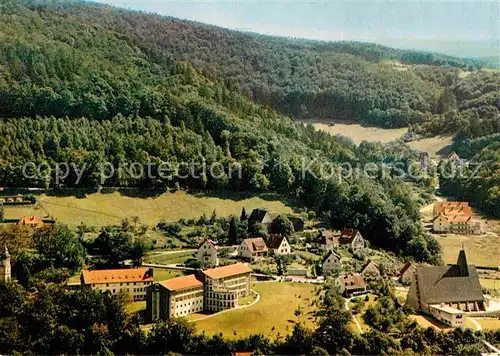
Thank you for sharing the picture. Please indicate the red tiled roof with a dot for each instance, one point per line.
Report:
(30, 220)
(182, 283)
(327, 237)
(227, 271)
(353, 281)
(256, 244)
(347, 235)
(117, 276)
(211, 242)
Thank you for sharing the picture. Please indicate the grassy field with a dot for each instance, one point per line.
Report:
(490, 283)
(359, 316)
(481, 250)
(160, 274)
(274, 310)
(98, 209)
(135, 307)
(170, 258)
(359, 133)
(489, 323)
(426, 321)
(435, 146)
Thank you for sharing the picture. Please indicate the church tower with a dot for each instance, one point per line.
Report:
(5, 272)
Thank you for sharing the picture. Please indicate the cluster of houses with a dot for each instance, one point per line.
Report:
(16, 200)
(454, 217)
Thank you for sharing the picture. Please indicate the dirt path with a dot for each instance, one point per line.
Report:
(353, 316)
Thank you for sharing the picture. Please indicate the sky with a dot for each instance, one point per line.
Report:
(469, 29)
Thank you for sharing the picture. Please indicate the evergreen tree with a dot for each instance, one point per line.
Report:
(244, 216)
(233, 231)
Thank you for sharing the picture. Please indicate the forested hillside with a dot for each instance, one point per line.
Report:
(77, 93)
(349, 81)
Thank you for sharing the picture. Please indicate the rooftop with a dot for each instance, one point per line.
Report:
(182, 283)
(117, 275)
(227, 271)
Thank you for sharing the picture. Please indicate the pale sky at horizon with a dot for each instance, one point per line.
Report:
(449, 27)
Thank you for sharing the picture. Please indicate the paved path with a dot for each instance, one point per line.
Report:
(353, 316)
(477, 325)
(232, 309)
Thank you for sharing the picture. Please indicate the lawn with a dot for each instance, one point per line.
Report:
(359, 316)
(490, 283)
(272, 316)
(427, 321)
(135, 307)
(161, 274)
(170, 258)
(481, 250)
(98, 209)
(359, 133)
(489, 323)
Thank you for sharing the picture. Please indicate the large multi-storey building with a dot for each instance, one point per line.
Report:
(211, 290)
(132, 280)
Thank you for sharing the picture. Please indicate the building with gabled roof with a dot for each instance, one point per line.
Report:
(260, 216)
(407, 272)
(351, 285)
(326, 240)
(208, 253)
(455, 285)
(210, 290)
(278, 245)
(131, 280)
(331, 263)
(454, 217)
(252, 249)
(352, 238)
(370, 269)
(31, 221)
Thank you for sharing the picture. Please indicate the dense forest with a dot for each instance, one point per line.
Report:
(77, 93)
(348, 81)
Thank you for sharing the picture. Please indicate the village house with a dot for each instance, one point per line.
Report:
(352, 238)
(455, 286)
(31, 221)
(278, 245)
(252, 249)
(326, 241)
(407, 272)
(454, 217)
(207, 254)
(212, 290)
(5, 266)
(370, 270)
(260, 216)
(331, 263)
(351, 285)
(298, 222)
(132, 280)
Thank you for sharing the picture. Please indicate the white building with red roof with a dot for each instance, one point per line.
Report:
(211, 290)
(131, 280)
(207, 253)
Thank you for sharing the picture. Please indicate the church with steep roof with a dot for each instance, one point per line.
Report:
(454, 286)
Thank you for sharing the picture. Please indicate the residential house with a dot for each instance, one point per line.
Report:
(207, 253)
(326, 241)
(132, 280)
(252, 249)
(31, 221)
(278, 245)
(455, 286)
(211, 290)
(331, 263)
(298, 222)
(407, 272)
(352, 238)
(351, 285)
(260, 216)
(370, 270)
